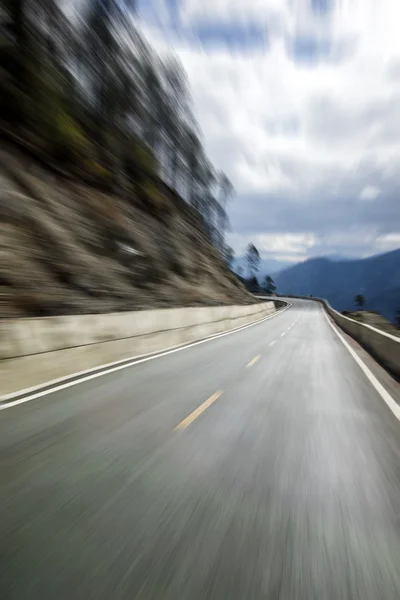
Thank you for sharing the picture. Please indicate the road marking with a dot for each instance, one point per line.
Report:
(272, 343)
(253, 361)
(114, 366)
(384, 394)
(283, 333)
(196, 413)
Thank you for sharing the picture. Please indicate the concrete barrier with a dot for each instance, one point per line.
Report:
(36, 350)
(381, 345)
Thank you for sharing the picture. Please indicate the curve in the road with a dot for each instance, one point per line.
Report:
(26, 395)
(285, 486)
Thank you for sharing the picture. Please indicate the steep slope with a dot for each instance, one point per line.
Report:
(68, 248)
(377, 278)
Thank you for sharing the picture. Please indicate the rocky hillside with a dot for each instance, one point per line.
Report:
(374, 320)
(67, 248)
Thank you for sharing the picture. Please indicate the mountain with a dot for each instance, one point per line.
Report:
(338, 258)
(376, 277)
(268, 266)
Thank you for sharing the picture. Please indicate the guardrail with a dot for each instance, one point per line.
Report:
(383, 346)
(36, 350)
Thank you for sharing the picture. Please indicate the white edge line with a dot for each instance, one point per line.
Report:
(134, 359)
(110, 368)
(394, 407)
(380, 331)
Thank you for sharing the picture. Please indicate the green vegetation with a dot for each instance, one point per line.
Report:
(359, 300)
(85, 91)
(252, 284)
(268, 285)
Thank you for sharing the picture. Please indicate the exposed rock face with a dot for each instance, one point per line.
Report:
(68, 248)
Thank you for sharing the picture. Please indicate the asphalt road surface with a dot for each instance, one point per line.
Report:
(260, 465)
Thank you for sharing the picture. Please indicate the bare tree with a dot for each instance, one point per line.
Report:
(252, 259)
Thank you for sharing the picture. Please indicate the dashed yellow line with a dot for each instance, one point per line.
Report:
(253, 361)
(196, 413)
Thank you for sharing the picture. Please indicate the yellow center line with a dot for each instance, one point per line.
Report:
(254, 360)
(196, 413)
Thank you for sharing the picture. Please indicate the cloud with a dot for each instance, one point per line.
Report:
(385, 243)
(302, 134)
(370, 192)
(287, 247)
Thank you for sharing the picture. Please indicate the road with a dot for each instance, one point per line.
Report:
(259, 465)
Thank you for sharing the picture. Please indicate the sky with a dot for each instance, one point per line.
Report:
(299, 103)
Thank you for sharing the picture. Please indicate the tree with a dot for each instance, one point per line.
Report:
(226, 189)
(204, 200)
(193, 153)
(229, 256)
(86, 91)
(177, 104)
(253, 285)
(268, 285)
(252, 259)
(18, 60)
(359, 300)
(220, 225)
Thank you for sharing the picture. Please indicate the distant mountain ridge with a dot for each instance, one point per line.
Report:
(376, 277)
(267, 266)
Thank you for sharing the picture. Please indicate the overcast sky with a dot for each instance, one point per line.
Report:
(299, 103)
